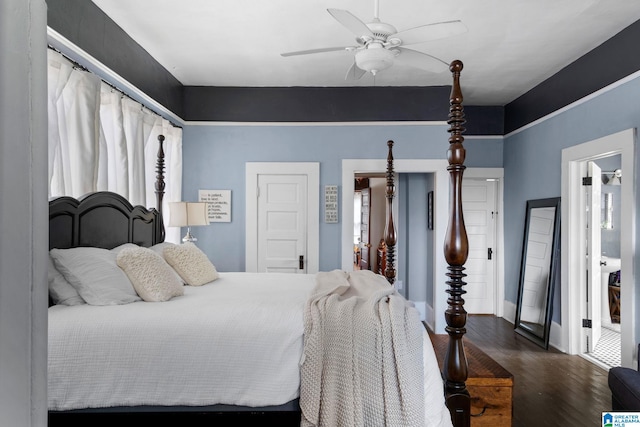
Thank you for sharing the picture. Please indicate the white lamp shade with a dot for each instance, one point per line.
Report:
(187, 214)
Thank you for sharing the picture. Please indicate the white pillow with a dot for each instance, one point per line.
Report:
(152, 278)
(93, 272)
(191, 264)
(60, 290)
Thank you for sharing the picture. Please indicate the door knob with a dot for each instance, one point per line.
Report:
(301, 262)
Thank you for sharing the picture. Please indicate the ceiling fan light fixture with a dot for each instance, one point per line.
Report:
(374, 59)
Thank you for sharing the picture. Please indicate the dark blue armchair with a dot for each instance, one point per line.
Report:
(624, 384)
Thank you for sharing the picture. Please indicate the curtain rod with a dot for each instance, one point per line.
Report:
(79, 66)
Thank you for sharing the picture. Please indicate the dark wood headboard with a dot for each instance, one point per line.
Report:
(104, 220)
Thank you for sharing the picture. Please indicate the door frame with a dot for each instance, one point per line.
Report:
(573, 239)
(441, 187)
(312, 171)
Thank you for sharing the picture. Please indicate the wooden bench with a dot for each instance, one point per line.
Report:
(490, 385)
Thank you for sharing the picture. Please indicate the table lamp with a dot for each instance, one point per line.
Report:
(188, 214)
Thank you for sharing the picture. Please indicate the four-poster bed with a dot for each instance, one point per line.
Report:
(106, 220)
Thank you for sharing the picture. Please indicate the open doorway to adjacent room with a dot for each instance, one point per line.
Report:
(589, 321)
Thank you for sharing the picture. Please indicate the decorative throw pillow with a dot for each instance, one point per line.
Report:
(152, 278)
(191, 264)
(60, 290)
(93, 272)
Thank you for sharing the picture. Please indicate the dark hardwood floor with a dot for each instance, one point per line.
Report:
(550, 388)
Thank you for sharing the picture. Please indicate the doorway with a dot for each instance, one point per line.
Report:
(574, 241)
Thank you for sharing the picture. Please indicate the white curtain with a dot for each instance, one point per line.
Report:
(101, 140)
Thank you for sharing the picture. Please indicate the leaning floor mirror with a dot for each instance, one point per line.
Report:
(538, 270)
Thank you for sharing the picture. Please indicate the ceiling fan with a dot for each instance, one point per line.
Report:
(379, 44)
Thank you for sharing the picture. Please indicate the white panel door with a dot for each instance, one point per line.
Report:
(282, 223)
(478, 204)
(594, 282)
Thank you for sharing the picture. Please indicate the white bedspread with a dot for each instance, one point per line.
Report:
(237, 340)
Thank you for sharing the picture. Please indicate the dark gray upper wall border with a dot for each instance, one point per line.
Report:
(85, 25)
(613, 60)
(315, 104)
(484, 120)
(333, 104)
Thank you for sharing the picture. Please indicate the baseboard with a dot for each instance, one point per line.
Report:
(509, 312)
(555, 337)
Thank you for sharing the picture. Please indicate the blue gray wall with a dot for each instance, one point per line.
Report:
(415, 247)
(214, 157)
(532, 163)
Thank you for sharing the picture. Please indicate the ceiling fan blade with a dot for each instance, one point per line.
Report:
(324, 49)
(354, 73)
(429, 32)
(421, 60)
(352, 23)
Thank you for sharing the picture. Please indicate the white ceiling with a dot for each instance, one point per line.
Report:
(510, 46)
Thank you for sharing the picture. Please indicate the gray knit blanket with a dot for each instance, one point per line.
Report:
(362, 362)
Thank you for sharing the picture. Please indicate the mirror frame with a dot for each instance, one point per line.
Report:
(540, 337)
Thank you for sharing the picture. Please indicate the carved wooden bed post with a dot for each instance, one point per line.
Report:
(160, 184)
(390, 238)
(456, 249)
